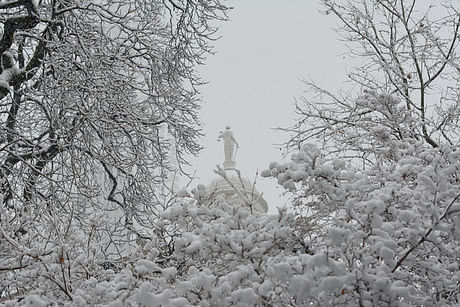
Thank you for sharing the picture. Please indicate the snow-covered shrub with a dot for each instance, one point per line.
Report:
(223, 256)
(380, 189)
(391, 221)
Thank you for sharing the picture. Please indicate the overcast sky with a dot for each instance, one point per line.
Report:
(266, 48)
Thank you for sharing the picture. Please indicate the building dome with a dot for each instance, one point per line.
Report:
(220, 186)
(236, 189)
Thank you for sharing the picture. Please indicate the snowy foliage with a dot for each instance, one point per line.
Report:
(93, 95)
(394, 227)
(375, 173)
(392, 239)
(375, 177)
(222, 256)
(87, 90)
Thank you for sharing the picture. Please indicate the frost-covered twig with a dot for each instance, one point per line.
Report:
(423, 239)
(221, 172)
(12, 241)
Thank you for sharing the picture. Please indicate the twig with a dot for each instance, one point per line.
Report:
(423, 239)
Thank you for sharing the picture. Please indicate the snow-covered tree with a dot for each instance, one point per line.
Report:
(408, 52)
(85, 89)
(220, 255)
(394, 226)
(375, 175)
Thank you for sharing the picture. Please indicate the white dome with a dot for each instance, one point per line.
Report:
(220, 186)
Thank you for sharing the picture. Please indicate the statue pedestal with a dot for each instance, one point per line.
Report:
(229, 164)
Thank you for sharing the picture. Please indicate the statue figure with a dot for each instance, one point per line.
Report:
(230, 147)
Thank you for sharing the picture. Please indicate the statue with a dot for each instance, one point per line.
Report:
(230, 147)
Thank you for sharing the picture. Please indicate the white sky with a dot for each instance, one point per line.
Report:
(265, 49)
